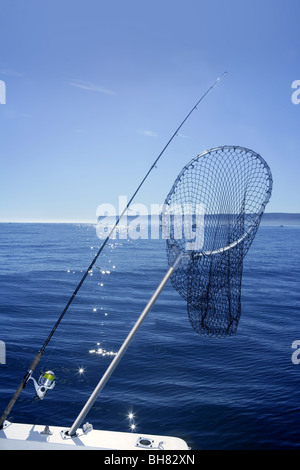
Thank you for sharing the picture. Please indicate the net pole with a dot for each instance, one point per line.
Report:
(109, 371)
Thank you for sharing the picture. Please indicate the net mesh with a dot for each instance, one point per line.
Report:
(210, 219)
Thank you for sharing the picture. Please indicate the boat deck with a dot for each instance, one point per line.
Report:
(38, 437)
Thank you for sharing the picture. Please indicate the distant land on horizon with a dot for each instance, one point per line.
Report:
(281, 218)
(269, 218)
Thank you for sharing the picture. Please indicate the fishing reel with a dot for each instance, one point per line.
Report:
(45, 382)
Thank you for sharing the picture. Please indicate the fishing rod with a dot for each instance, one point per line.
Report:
(40, 353)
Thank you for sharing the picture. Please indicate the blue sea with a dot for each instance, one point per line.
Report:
(241, 392)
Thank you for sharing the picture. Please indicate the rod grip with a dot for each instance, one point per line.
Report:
(22, 385)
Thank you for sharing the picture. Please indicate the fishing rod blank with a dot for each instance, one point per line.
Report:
(41, 351)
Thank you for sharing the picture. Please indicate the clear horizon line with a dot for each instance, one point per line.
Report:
(95, 220)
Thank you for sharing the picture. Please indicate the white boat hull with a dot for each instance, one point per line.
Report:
(17, 436)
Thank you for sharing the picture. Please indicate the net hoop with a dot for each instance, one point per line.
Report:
(259, 213)
(228, 188)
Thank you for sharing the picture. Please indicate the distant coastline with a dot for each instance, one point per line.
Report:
(269, 218)
(280, 218)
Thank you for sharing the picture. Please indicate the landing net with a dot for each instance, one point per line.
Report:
(210, 218)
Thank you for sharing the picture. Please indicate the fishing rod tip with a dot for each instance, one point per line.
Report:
(221, 76)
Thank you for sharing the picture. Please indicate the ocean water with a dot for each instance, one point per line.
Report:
(240, 392)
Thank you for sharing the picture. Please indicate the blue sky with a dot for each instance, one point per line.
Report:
(95, 89)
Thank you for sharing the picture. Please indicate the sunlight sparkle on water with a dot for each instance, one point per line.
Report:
(132, 424)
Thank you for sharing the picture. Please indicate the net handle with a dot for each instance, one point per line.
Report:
(101, 384)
